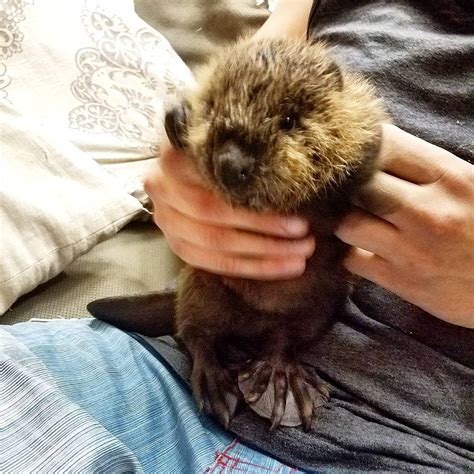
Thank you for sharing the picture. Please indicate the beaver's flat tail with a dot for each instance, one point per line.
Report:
(151, 314)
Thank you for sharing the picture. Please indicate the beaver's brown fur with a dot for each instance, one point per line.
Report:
(273, 125)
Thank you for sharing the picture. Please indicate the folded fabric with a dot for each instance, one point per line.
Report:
(55, 204)
(79, 81)
(41, 430)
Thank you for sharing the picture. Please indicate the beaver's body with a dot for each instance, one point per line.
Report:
(275, 125)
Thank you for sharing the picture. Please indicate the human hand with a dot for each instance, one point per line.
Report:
(413, 232)
(207, 232)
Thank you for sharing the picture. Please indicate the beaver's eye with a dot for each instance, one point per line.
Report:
(288, 123)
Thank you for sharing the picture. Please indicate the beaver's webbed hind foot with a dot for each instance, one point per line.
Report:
(283, 391)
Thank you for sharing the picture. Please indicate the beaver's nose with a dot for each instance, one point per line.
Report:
(233, 167)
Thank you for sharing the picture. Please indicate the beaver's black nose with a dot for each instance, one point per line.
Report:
(233, 167)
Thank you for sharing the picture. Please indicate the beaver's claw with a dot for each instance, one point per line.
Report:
(215, 390)
(283, 391)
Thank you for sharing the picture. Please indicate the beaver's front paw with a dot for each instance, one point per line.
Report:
(283, 391)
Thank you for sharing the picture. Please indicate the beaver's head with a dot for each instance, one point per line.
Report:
(276, 123)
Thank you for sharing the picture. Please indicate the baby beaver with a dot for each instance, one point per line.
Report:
(274, 125)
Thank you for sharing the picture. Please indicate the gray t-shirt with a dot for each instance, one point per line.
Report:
(402, 381)
(420, 56)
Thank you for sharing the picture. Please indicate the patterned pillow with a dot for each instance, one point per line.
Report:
(79, 81)
(94, 73)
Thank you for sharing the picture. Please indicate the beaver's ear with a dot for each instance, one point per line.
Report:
(176, 125)
(334, 71)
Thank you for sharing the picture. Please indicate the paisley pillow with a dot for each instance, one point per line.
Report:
(94, 73)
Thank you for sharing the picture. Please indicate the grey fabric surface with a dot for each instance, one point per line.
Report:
(136, 260)
(397, 403)
(196, 28)
(420, 57)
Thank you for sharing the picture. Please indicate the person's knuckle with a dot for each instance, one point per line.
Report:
(379, 200)
(159, 219)
(205, 206)
(229, 265)
(178, 247)
(348, 225)
(161, 210)
(276, 268)
(446, 223)
(166, 225)
(457, 224)
(154, 187)
(148, 184)
(166, 160)
(386, 273)
(286, 247)
(212, 238)
(456, 177)
(416, 261)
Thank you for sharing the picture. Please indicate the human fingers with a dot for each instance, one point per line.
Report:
(388, 197)
(448, 298)
(381, 252)
(234, 265)
(410, 207)
(369, 266)
(368, 232)
(201, 204)
(412, 159)
(177, 166)
(374, 268)
(227, 239)
(207, 207)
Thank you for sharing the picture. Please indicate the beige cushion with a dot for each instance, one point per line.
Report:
(91, 86)
(136, 260)
(197, 28)
(55, 205)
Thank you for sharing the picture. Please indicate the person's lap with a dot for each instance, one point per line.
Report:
(83, 394)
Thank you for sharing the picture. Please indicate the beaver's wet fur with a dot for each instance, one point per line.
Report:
(273, 125)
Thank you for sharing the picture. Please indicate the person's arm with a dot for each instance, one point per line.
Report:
(289, 19)
(413, 232)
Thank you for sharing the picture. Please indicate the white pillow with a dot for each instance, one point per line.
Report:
(94, 72)
(80, 81)
(56, 203)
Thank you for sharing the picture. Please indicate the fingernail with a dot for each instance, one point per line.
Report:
(303, 246)
(295, 226)
(296, 268)
(310, 246)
